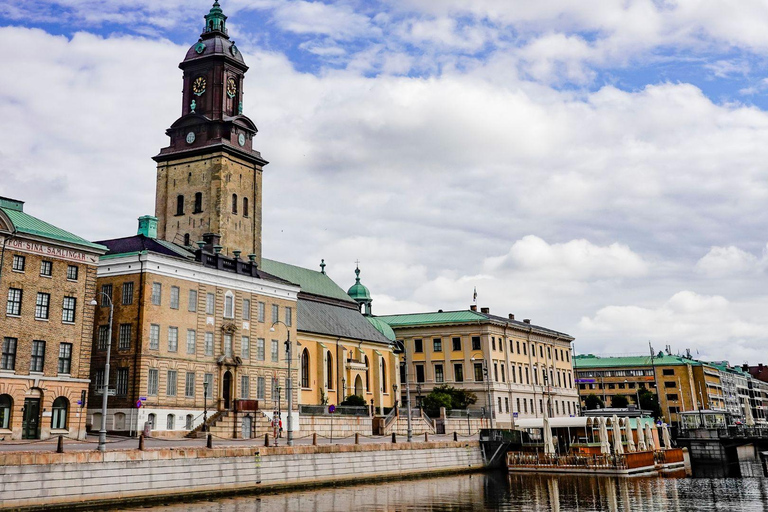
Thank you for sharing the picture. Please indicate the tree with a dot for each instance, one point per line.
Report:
(355, 400)
(593, 402)
(619, 401)
(650, 402)
(448, 397)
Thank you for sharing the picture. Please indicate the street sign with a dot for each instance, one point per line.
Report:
(138, 404)
(79, 402)
(331, 408)
(514, 415)
(142, 398)
(584, 380)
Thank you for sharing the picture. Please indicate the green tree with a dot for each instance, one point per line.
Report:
(650, 402)
(593, 402)
(355, 400)
(448, 397)
(619, 401)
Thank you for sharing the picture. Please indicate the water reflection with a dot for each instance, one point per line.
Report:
(502, 492)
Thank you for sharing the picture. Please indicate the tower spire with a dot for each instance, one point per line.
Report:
(215, 20)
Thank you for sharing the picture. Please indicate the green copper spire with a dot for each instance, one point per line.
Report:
(360, 293)
(215, 21)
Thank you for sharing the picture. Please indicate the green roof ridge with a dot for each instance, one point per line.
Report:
(310, 281)
(593, 361)
(435, 317)
(26, 223)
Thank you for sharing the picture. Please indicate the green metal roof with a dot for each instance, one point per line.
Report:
(358, 291)
(440, 317)
(593, 361)
(383, 327)
(25, 223)
(311, 281)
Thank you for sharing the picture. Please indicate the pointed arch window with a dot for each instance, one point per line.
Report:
(234, 204)
(329, 370)
(305, 368)
(245, 207)
(383, 376)
(367, 374)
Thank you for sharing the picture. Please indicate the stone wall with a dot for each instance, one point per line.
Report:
(343, 426)
(50, 479)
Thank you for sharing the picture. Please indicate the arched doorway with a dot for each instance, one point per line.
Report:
(359, 386)
(226, 393)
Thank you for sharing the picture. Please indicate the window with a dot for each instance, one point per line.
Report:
(418, 346)
(246, 309)
(173, 339)
(198, 202)
(41, 306)
(72, 272)
(175, 297)
(288, 316)
(157, 293)
(208, 385)
(154, 337)
(672, 397)
(437, 345)
(106, 295)
(127, 293)
(273, 390)
(65, 357)
(210, 304)
(13, 306)
(275, 313)
(506, 404)
(6, 405)
(191, 341)
(260, 388)
(439, 373)
(557, 358)
(189, 424)
(549, 353)
(192, 306)
(567, 357)
(305, 369)
(19, 263)
(170, 389)
(503, 374)
(229, 305)
(457, 344)
(179, 205)
(209, 343)
(458, 372)
(275, 351)
(46, 268)
(152, 381)
(525, 405)
(103, 337)
(500, 409)
(245, 347)
(59, 413)
(38, 356)
(328, 370)
(189, 385)
(420, 373)
(668, 371)
(384, 387)
(122, 382)
(68, 309)
(124, 337)
(245, 207)
(669, 384)
(245, 391)
(493, 343)
(187, 240)
(260, 349)
(227, 345)
(525, 350)
(262, 311)
(475, 342)
(98, 380)
(170, 422)
(478, 372)
(234, 204)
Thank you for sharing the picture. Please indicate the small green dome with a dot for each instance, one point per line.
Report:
(359, 292)
(383, 327)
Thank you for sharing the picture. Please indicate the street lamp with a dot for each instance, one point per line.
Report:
(289, 355)
(487, 381)
(205, 406)
(105, 387)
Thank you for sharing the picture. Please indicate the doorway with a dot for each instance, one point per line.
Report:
(227, 391)
(359, 386)
(246, 427)
(30, 426)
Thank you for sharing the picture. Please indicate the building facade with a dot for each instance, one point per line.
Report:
(516, 369)
(48, 277)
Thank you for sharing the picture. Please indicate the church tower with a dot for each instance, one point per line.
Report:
(209, 177)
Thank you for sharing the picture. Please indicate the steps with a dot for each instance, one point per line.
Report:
(229, 424)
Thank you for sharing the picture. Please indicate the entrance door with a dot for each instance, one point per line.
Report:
(246, 429)
(359, 386)
(227, 391)
(30, 426)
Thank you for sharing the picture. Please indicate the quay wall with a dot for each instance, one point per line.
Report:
(33, 480)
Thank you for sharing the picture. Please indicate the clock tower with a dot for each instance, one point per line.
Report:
(209, 177)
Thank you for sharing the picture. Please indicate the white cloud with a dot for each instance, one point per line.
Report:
(727, 261)
(337, 21)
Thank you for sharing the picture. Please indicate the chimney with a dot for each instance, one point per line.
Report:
(485, 310)
(527, 320)
(473, 307)
(148, 226)
(511, 316)
(211, 240)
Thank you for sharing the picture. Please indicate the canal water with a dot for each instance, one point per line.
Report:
(501, 492)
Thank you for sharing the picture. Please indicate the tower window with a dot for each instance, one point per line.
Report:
(198, 202)
(234, 204)
(186, 240)
(179, 205)
(245, 207)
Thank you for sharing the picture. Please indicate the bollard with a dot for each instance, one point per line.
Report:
(426, 437)
(141, 442)
(394, 437)
(455, 436)
(266, 439)
(314, 439)
(209, 442)
(60, 445)
(357, 438)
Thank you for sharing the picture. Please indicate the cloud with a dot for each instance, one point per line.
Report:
(729, 261)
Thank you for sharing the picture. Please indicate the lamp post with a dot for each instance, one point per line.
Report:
(105, 387)
(289, 356)
(400, 349)
(487, 382)
(394, 392)
(205, 406)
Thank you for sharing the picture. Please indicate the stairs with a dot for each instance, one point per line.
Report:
(229, 424)
(197, 432)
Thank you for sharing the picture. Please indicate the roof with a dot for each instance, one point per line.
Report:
(526, 325)
(338, 321)
(310, 281)
(383, 327)
(25, 223)
(141, 243)
(593, 361)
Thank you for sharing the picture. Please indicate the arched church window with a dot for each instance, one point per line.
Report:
(305, 368)
(234, 204)
(179, 205)
(198, 202)
(245, 207)
(329, 371)
(384, 376)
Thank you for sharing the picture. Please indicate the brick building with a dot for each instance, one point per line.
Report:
(48, 277)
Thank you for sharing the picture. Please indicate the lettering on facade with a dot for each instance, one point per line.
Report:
(51, 251)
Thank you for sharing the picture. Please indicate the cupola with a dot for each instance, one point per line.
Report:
(360, 294)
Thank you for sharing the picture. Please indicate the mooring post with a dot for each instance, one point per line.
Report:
(394, 437)
(455, 436)
(266, 439)
(209, 442)
(314, 438)
(141, 442)
(357, 437)
(426, 437)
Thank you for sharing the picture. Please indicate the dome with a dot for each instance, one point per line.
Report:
(358, 291)
(383, 327)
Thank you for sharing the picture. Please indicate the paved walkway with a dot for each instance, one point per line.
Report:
(125, 443)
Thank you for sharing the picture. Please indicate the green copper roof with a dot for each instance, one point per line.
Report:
(446, 317)
(215, 19)
(25, 223)
(592, 361)
(358, 291)
(383, 327)
(311, 281)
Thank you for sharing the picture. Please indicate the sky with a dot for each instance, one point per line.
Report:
(598, 167)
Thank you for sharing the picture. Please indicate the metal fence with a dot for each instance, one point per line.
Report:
(465, 413)
(341, 410)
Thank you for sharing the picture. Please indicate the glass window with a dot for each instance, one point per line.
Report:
(157, 293)
(275, 351)
(59, 413)
(261, 388)
(42, 304)
(68, 309)
(192, 300)
(170, 390)
(46, 268)
(228, 345)
(208, 384)
(457, 344)
(437, 345)
(478, 372)
(418, 346)
(103, 337)
(198, 202)
(38, 356)
(106, 295)
(245, 207)
(6, 405)
(260, 349)
(288, 316)
(65, 357)
(420, 373)
(209, 343)
(245, 347)
(210, 304)
(175, 292)
(124, 337)
(13, 306)
(458, 372)
(191, 341)
(493, 343)
(127, 293)
(305, 369)
(173, 339)
(475, 342)
(246, 309)
(170, 422)
(19, 262)
(72, 272)
(261, 311)
(189, 385)
(439, 373)
(154, 337)
(122, 382)
(98, 380)
(229, 306)
(189, 424)
(244, 387)
(152, 377)
(275, 313)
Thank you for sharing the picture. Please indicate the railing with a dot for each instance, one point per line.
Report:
(669, 456)
(464, 413)
(341, 410)
(429, 420)
(389, 418)
(603, 461)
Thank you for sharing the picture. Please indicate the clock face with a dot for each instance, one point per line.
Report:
(231, 87)
(190, 137)
(198, 86)
(241, 139)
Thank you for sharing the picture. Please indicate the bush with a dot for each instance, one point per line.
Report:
(593, 402)
(448, 397)
(619, 401)
(354, 400)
